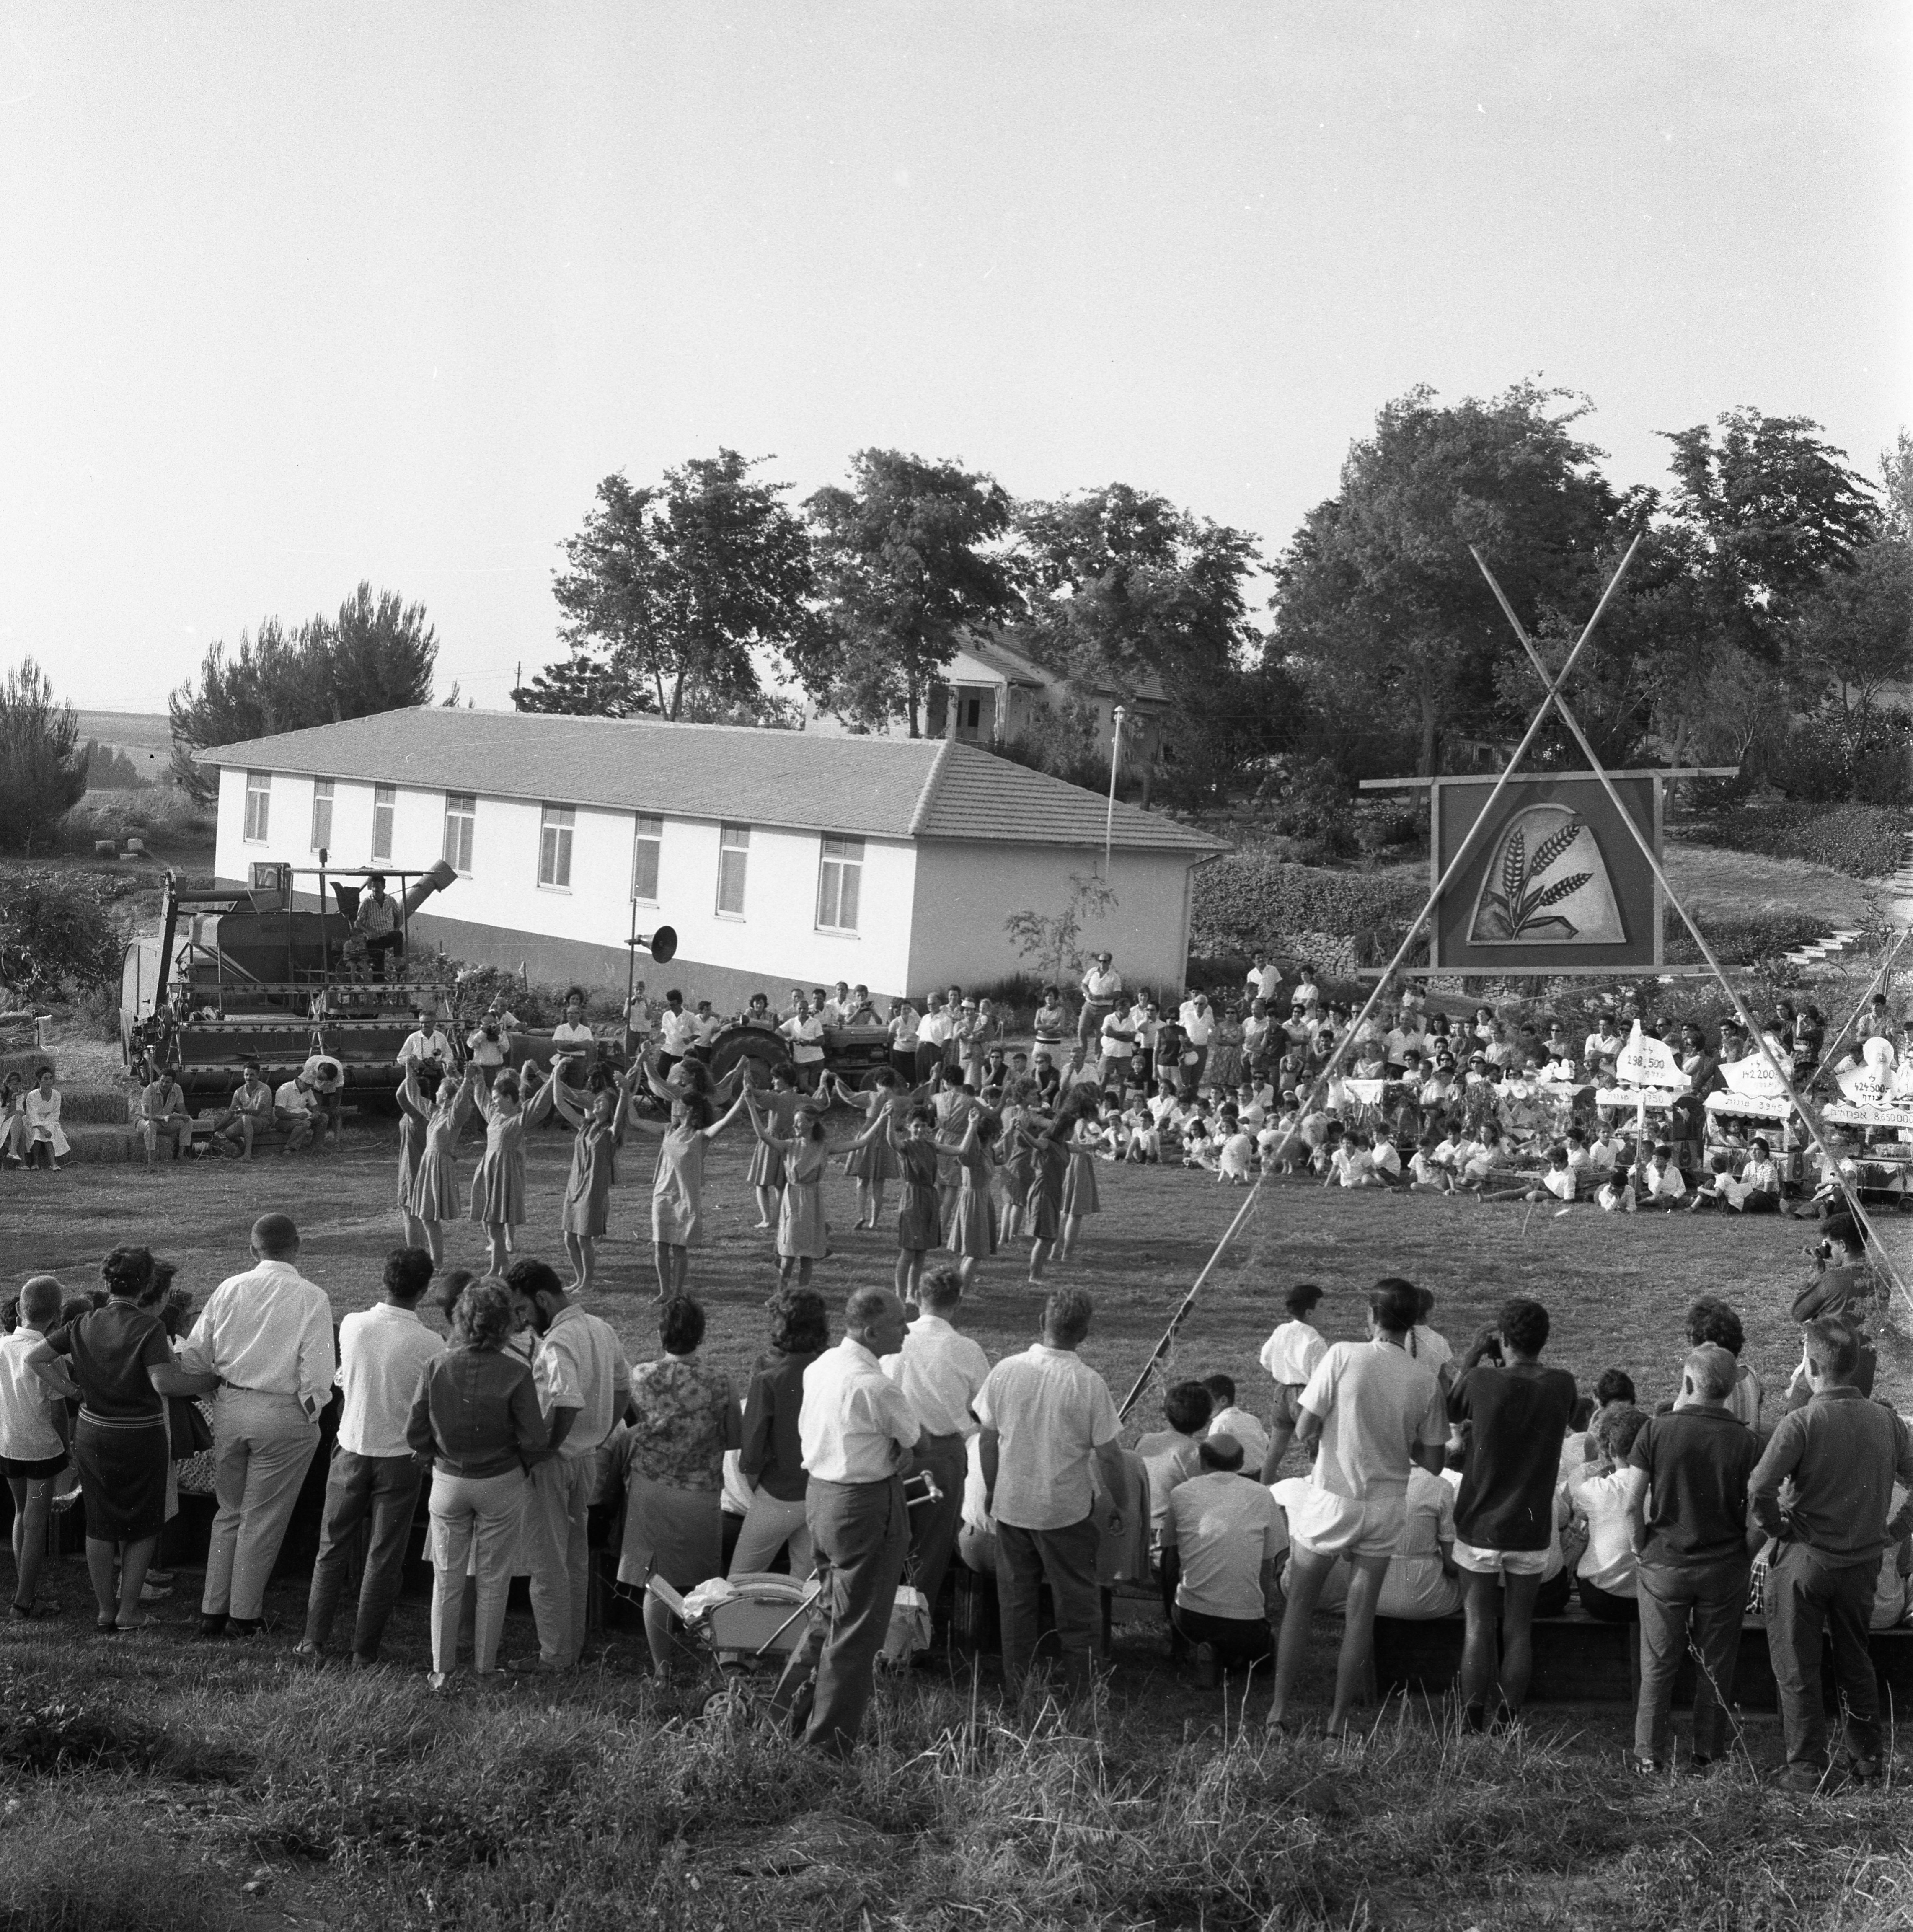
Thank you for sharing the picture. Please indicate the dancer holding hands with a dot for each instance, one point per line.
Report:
(803, 1234)
(677, 1187)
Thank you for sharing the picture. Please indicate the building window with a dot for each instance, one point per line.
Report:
(554, 847)
(972, 713)
(259, 806)
(734, 858)
(385, 803)
(321, 814)
(840, 884)
(461, 813)
(644, 855)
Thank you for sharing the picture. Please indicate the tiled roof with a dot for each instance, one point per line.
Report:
(871, 787)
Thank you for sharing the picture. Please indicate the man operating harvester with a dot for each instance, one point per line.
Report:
(857, 1434)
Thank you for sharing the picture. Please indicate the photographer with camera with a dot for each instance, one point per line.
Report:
(1839, 1276)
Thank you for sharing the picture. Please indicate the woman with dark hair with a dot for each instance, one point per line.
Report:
(498, 1182)
(971, 1235)
(685, 1418)
(476, 1424)
(919, 1226)
(803, 1232)
(677, 1187)
(449, 1289)
(772, 1462)
(873, 1162)
(117, 1361)
(1710, 1319)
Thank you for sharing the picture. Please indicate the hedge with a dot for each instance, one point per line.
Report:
(1249, 899)
(1741, 942)
(1863, 841)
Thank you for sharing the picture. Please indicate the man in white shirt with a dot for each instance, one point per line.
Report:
(325, 1079)
(382, 1353)
(857, 1434)
(1102, 988)
(1047, 1417)
(292, 1114)
(1222, 1536)
(1263, 980)
(805, 1031)
(1115, 1047)
(676, 1033)
(939, 1372)
(583, 1385)
(1197, 1021)
(426, 1044)
(705, 1025)
(268, 1335)
(1377, 1412)
(933, 1031)
(1290, 1355)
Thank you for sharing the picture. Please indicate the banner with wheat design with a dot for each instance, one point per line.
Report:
(1546, 882)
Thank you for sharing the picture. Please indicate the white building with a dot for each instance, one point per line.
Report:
(777, 855)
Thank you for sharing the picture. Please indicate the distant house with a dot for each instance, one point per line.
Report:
(989, 692)
(777, 855)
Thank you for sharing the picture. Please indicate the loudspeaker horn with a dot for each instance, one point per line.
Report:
(661, 945)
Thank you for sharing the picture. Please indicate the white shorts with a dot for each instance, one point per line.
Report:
(1327, 1524)
(1500, 1562)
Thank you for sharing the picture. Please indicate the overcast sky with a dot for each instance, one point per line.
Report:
(299, 295)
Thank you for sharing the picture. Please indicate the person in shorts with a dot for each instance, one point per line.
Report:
(1375, 1412)
(1516, 1413)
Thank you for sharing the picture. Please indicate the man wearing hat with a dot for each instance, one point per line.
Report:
(1102, 988)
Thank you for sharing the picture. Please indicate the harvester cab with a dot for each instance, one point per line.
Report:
(296, 964)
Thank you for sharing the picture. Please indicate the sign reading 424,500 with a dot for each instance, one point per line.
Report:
(1553, 883)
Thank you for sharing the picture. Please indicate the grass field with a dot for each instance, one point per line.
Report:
(148, 1782)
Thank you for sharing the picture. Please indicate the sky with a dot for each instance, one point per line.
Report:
(297, 295)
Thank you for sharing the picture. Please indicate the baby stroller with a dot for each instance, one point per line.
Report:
(750, 1625)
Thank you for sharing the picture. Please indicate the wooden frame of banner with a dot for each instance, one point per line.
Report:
(1463, 852)
(1809, 1118)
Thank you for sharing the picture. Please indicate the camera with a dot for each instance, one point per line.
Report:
(490, 1029)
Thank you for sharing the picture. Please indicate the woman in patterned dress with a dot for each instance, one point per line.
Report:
(498, 1182)
(677, 1186)
(872, 1164)
(918, 1229)
(803, 1233)
(686, 1417)
(434, 1197)
(971, 1233)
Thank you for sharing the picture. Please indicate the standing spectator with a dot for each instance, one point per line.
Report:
(935, 1031)
(1196, 1019)
(267, 1334)
(858, 1434)
(1102, 988)
(1051, 1023)
(1842, 1453)
(1117, 1048)
(33, 1438)
(940, 1371)
(375, 1475)
(1221, 1541)
(684, 1421)
(376, 922)
(1516, 1412)
(772, 1463)
(1263, 980)
(677, 1033)
(1290, 1355)
(475, 1421)
(1687, 1503)
(583, 1385)
(902, 1029)
(1839, 1276)
(1046, 1415)
(1376, 1412)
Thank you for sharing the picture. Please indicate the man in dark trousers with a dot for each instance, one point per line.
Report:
(857, 1434)
(1515, 1413)
(1842, 1452)
(1687, 1511)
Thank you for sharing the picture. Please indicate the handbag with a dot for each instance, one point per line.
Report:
(186, 1425)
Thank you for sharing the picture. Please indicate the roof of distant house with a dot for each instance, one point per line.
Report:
(1015, 666)
(857, 787)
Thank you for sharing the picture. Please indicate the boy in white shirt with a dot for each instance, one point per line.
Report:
(1226, 1419)
(33, 1445)
(1605, 1150)
(1427, 1174)
(1144, 1138)
(1290, 1355)
(1660, 1184)
(1250, 1108)
(1385, 1161)
(1351, 1165)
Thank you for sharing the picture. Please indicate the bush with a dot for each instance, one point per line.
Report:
(1863, 841)
(57, 934)
(1743, 942)
(1247, 899)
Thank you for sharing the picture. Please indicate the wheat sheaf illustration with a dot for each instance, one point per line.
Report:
(1518, 908)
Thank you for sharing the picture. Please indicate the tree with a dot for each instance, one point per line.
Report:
(1050, 941)
(1379, 581)
(1897, 486)
(57, 935)
(1772, 510)
(905, 566)
(1122, 591)
(377, 655)
(670, 590)
(42, 764)
(1854, 637)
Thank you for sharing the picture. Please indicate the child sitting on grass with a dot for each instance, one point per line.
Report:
(1554, 1182)
(1617, 1194)
(1427, 1174)
(1199, 1140)
(1658, 1184)
(1144, 1142)
(1352, 1165)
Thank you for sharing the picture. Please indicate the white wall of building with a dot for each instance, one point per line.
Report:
(965, 892)
(776, 939)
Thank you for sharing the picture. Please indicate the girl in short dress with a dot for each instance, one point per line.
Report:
(803, 1233)
(498, 1182)
(971, 1234)
(434, 1197)
(767, 1169)
(917, 1228)
(1016, 1164)
(1049, 1153)
(1079, 1182)
(677, 1186)
(872, 1164)
(587, 1213)
(417, 1093)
